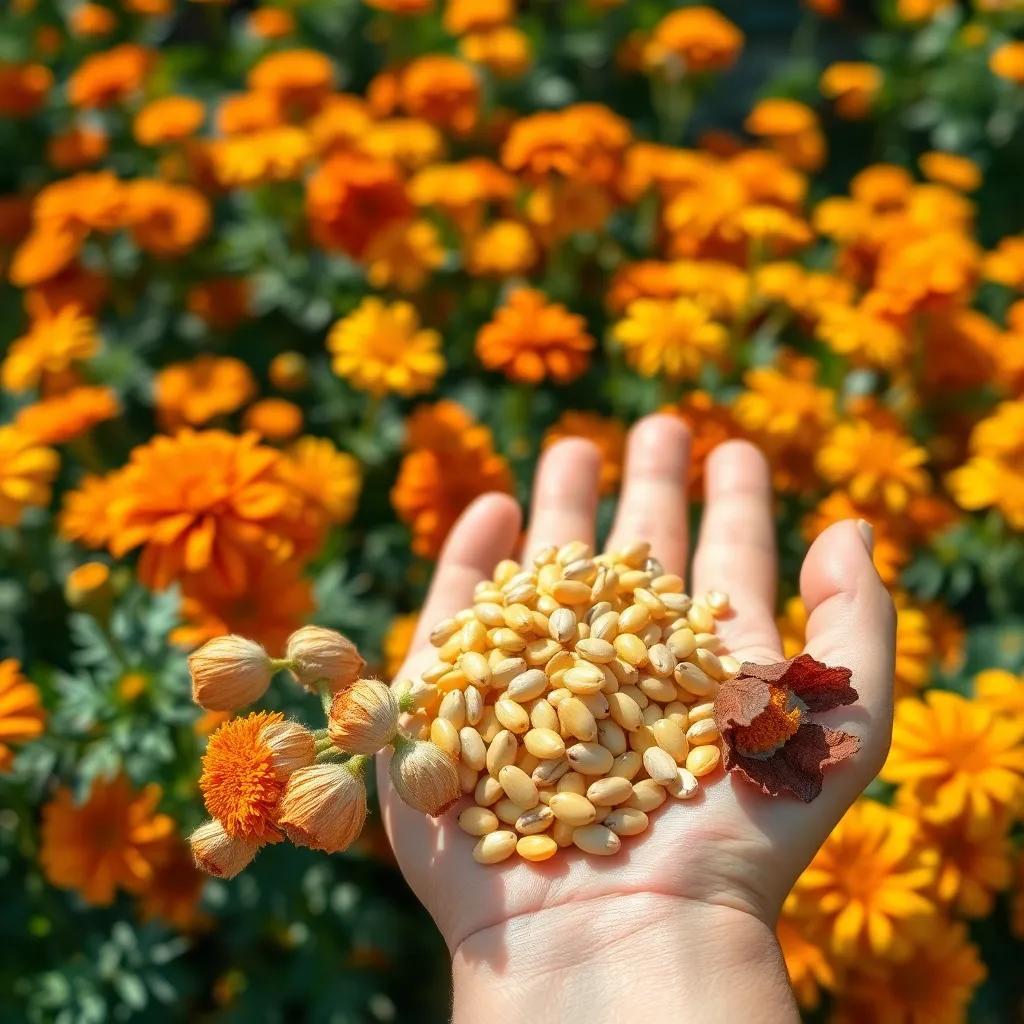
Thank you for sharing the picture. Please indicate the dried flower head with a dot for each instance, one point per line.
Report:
(319, 655)
(324, 806)
(219, 854)
(229, 672)
(424, 776)
(363, 717)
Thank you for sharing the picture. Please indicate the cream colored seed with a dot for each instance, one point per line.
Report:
(627, 765)
(474, 704)
(495, 847)
(454, 680)
(544, 743)
(549, 772)
(704, 730)
(526, 762)
(612, 737)
(562, 834)
(708, 663)
(573, 550)
(650, 601)
(701, 711)
(596, 611)
(444, 735)
(488, 791)
(547, 554)
(575, 718)
(501, 752)
(505, 669)
(572, 782)
(534, 821)
(572, 808)
(505, 570)
(467, 776)
(524, 593)
(597, 840)
(661, 660)
(570, 591)
(562, 625)
(652, 713)
(589, 758)
(527, 685)
(708, 642)
(703, 760)
(436, 671)
(660, 765)
(717, 601)
(474, 636)
(730, 665)
(625, 711)
(512, 716)
(700, 618)
(676, 711)
(626, 821)
(559, 662)
(610, 791)
(685, 786)
(474, 751)
(476, 668)
(507, 640)
(490, 613)
(540, 652)
(488, 726)
(453, 708)
(634, 618)
(642, 740)
(518, 786)
(599, 652)
(694, 680)
(584, 678)
(647, 795)
(478, 821)
(605, 627)
(597, 704)
(671, 738)
(655, 688)
(667, 584)
(557, 695)
(543, 716)
(443, 632)
(676, 604)
(631, 649)
(634, 579)
(583, 569)
(682, 643)
(536, 848)
(507, 811)
(627, 675)
(548, 576)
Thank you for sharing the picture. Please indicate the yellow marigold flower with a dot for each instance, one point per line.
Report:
(994, 474)
(1001, 692)
(442, 90)
(462, 16)
(80, 146)
(195, 392)
(504, 248)
(409, 141)
(915, 647)
(790, 127)
(403, 256)
(870, 884)
(807, 964)
(862, 335)
(930, 739)
(53, 344)
(67, 416)
(674, 338)
(694, 41)
(398, 642)
(558, 209)
(22, 716)
(275, 419)
(26, 472)
(973, 867)
(1007, 61)
(382, 349)
(462, 191)
(722, 289)
(246, 765)
(934, 985)
(874, 463)
(710, 424)
(957, 172)
(23, 88)
(505, 51)
(330, 479)
(853, 86)
(277, 153)
(608, 434)
(105, 79)
(167, 220)
(299, 80)
(530, 338)
(109, 842)
(169, 119)
(1005, 263)
(770, 229)
(929, 273)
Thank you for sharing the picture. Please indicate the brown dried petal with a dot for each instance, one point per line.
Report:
(821, 687)
(740, 700)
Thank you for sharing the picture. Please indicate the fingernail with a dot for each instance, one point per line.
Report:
(867, 534)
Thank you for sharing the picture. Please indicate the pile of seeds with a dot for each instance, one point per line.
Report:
(576, 696)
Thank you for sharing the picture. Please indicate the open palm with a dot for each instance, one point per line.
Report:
(731, 846)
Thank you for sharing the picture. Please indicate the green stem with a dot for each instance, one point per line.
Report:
(326, 696)
(280, 664)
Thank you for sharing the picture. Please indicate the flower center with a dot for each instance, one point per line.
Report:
(770, 729)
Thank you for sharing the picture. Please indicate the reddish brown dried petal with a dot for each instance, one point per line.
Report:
(798, 765)
(739, 701)
(821, 687)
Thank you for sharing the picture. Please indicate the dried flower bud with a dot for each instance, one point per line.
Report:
(219, 854)
(323, 655)
(291, 746)
(363, 717)
(229, 672)
(324, 806)
(424, 776)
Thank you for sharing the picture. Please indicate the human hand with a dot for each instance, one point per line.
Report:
(695, 898)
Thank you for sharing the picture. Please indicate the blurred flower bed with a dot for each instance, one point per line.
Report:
(285, 287)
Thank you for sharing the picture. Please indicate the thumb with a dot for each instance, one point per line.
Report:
(851, 622)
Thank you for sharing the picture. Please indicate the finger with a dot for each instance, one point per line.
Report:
(565, 493)
(851, 622)
(653, 502)
(736, 549)
(485, 533)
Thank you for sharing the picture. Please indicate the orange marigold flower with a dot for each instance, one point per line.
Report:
(442, 90)
(23, 88)
(451, 462)
(675, 338)
(80, 146)
(167, 220)
(807, 964)
(85, 517)
(22, 716)
(694, 41)
(1005, 263)
(44, 254)
(929, 273)
(962, 351)
(66, 416)
(289, 371)
(609, 435)
(245, 768)
(973, 868)
(462, 191)
(351, 198)
(862, 335)
(248, 112)
(1007, 61)
(205, 503)
(299, 80)
(530, 338)
(76, 286)
(93, 20)
(504, 248)
(1001, 692)
(105, 79)
(710, 424)
(173, 894)
(462, 16)
(505, 51)
(93, 201)
(275, 419)
(329, 479)
(723, 290)
(950, 169)
(221, 302)
(557, 209)
(398, 642)
(791, 128)
(853, 86)
(271, 23)
(169, 119)
(408, 141)
(53, 344)
(340, 124)
(382, 349)
(109, 842)
(405, 7)
(403, 255)
(197, 391)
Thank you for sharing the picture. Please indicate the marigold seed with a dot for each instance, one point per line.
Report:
(488, 726)
(662, 691)
(501, 752)
(599, 652)
(443, 632)
(625, 711)
(597, 840)
(730, 665)
(612, 737)
(682, 643)
(562, 625)
(704, 730)
(685, 786)
(694, 680)
(703, 760)
(671, 738)
(544, 743)
(446, 736)
(543, 716)
(488, 791)
(512, 716)
(627, 765)
(634, 618)
(562, 832)
(660, 765)
(575, 718)
(508, 811)
(535, 821)
(453, 708)
(626, 821)
(572, 782)
(495, 847)
(589, 758)
(527, 685)
(701, 711)
(610, 791)
(647, 795)
(642, 739)
(700, 618)
(667, 584)
(478, 821)
(584, 678)
(631, 649)
(474, 751)
(518, 786)
(709, 664)
(572, 808)
(661, 660)
(549, 772)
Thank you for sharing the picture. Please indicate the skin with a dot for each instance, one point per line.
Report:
(679, 925)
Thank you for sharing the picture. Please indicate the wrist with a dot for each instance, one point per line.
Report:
(623, 958)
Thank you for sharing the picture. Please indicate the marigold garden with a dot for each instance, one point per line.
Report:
(287, 285)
